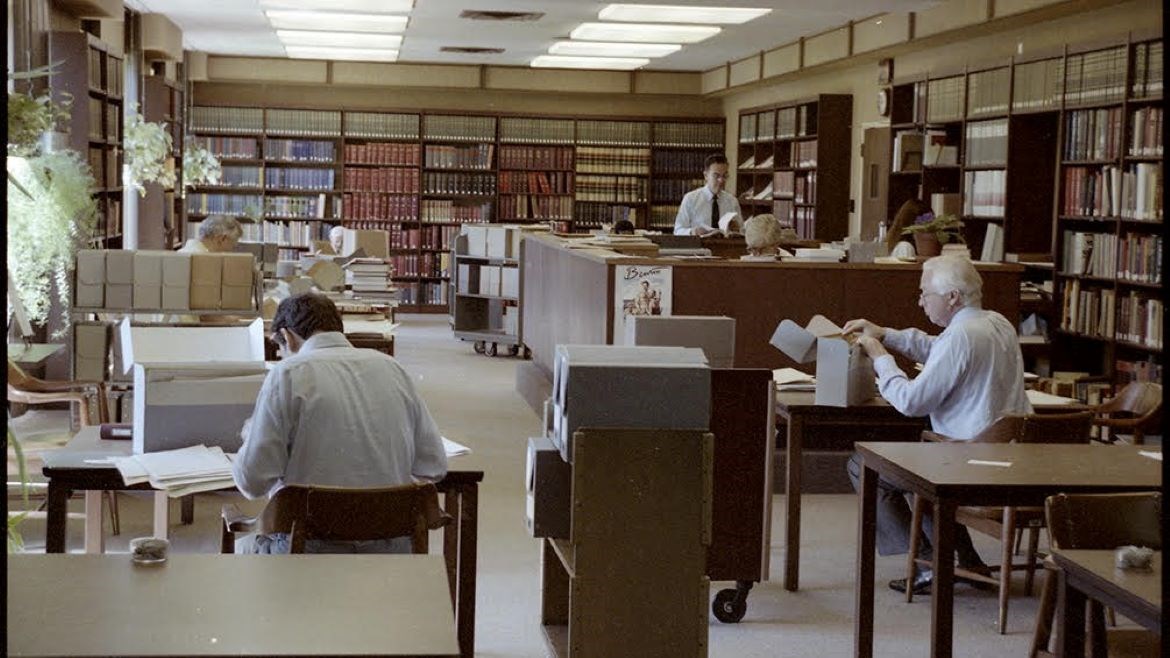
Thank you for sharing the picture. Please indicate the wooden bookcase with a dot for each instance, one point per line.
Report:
(1056, 150)
(419, 176)
(94, 92)
(161, 223)
(793, 161)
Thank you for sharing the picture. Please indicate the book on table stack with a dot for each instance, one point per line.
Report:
(369, 278)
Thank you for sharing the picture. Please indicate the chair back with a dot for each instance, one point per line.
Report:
(352, 514)
(1056, 428)
(1139, 399)
(1105, 521)
(18, 379)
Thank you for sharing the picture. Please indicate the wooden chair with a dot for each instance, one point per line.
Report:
(1134, 410)
(1002, 522)
(343, 514)
(1093, 521)
(26, 389)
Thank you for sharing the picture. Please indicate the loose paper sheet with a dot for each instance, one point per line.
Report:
(454, 449)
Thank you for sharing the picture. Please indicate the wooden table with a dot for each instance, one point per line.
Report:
(1092, 574)
(31, 354)
(221, 605)
(72, 469)
(796, 410)
(941, 473)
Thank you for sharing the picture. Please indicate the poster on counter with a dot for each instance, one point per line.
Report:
(639, 290)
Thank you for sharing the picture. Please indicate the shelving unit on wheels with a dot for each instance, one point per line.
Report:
(485, 288)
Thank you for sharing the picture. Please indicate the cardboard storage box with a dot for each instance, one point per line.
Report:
(90, 348)
(714, 334)
(91, 278)
(476, 240)
(161, 344)
(375, 243)
(148, 279)
(238, 282)
(510, 282)
(206, 280)
(176, 281)
(489, 280)
(119, 279)
(549, 481)
(606, 386)
(844, 372)
(465, 279)
(499, 242)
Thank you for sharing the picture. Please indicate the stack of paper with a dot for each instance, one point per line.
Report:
(791, 379)
(179, 472)
(369, 278)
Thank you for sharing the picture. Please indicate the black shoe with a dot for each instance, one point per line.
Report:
(923, 578)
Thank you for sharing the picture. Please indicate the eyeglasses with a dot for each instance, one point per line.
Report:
(922, 294)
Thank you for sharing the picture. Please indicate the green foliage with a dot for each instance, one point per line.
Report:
(30, 117)
(46, 224)
(946, 227)
(148, 149)
(200, 166)
(15, 541)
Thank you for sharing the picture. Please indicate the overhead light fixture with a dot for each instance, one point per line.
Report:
(349, 54)
(567, 62)
(360, 6)
(643, 32)
(613, 49)
(291, 19)
(677, 14)
(340, 39)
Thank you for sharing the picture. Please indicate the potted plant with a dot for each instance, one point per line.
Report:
(930, 233)
(147, 147)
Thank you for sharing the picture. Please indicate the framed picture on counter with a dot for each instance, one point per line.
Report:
(640, 290)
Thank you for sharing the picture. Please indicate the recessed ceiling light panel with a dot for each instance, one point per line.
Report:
(339, 39)
(290, 19)
(613, 49)
(643, 32)
(348, 54)
(609, 63)
(366, 6)
(677, 14)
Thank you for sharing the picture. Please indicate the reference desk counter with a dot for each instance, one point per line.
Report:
(569, 298)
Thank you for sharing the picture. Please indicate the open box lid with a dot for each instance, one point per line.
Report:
(161, 344)
(800, 343)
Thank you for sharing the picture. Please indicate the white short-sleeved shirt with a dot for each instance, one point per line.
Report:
(695, 209)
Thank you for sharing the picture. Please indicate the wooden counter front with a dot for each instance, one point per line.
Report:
(568, 296)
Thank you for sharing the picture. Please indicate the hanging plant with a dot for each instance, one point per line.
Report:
(147, 147)
(200, 166)
(29, 117)
(51, 212)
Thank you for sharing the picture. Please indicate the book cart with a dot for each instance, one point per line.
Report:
(485, 291)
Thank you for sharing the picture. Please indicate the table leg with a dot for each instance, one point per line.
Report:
(468, 539)
(451, 545)
(943, 591)
(1070, 618)
(792, 501)
(162, 511)
(58, 506)
(866, 544)
(94, 539)
(187, 509)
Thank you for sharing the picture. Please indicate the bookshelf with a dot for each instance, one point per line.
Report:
(420, 175)
(95, 120)
(793, 161)
(161, 223)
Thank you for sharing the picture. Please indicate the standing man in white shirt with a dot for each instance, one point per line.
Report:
(330, 414)
(700, 210)
(972, 374)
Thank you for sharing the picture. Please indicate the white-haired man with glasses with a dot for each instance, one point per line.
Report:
(972, 374)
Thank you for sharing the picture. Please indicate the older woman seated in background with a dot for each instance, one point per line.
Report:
(763, 235)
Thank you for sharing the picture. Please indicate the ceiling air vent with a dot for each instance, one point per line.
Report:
(488, 15)
(471, 50)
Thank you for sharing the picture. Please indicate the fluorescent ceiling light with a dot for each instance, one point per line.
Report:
(643, 32)
(676, 14)
(352, 54)
(284, 19)
(613, 49)
(367, 6)
(339, 39)
(565, 62)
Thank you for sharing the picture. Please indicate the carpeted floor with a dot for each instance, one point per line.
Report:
(472, 397)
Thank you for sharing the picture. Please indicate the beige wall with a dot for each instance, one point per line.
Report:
(860, 79)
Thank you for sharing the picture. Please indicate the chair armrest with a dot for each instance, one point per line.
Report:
(935, 437)
(1123, 423)
(51, 386)
(236, 521)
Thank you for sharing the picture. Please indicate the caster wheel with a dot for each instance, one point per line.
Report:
(728, 608)
(480, 347)
(513, 350)
(493, 350)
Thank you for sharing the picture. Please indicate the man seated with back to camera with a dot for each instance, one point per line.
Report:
(972, 374)
(333, 415)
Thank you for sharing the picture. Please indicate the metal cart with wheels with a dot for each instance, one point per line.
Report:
(485, 289)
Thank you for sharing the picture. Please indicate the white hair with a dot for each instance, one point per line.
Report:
(216, 225)
(947, 273)
(336, 230)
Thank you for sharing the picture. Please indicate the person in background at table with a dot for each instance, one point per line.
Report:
(336, 238)
(700, 210)
(623, 227)
(973, 374)
(330, 414)
(217, 234)
(902, 246)
(762, 234)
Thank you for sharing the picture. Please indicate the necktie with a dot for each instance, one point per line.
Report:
(715, 211)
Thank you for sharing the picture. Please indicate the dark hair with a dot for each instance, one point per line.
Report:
(307, 314)
(714, 158)
(623, 226)
(911, 210)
